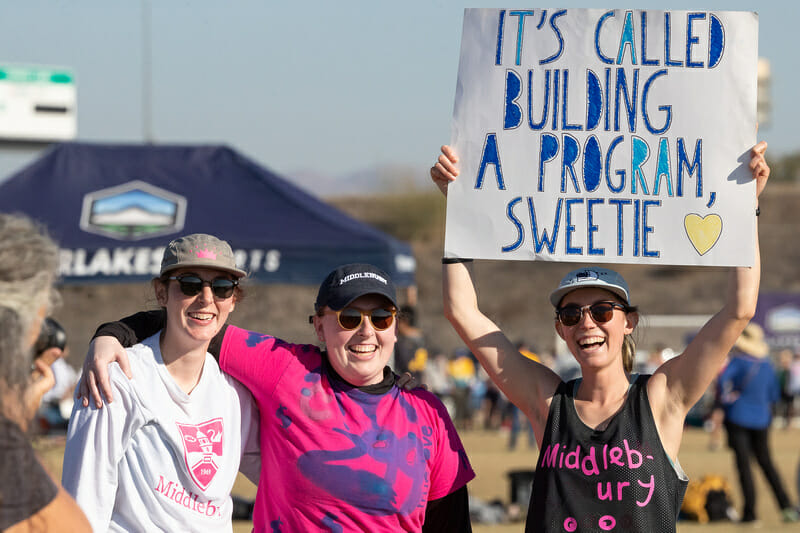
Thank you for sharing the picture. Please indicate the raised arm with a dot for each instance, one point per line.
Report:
(687, 376)
(528, 384)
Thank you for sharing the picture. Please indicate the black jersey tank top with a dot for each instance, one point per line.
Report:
(618, 479)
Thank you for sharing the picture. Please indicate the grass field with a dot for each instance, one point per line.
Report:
(492, 462)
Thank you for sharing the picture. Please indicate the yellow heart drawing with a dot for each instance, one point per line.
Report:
(703, 232)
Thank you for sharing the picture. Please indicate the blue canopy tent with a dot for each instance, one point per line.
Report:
(112, 209)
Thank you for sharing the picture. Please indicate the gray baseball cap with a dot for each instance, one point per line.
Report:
(602, 278)
(200, 250)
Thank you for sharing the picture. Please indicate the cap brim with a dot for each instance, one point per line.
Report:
(199, 264)
(557, 295)
(342, 305)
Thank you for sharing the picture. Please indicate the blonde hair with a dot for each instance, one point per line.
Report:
(628, 353)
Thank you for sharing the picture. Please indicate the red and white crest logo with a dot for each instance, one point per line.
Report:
(202, 444)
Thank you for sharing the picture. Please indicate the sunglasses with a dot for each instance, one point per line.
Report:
(191, 285)
(351, 318)
(601, 312)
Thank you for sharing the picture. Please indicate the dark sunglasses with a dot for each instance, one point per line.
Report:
(601, 312)
(351, 318)
(191, 285)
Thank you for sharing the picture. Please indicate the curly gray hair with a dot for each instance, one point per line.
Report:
(28, 268)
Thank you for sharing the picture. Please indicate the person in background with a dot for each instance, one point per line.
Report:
(410, 350)
(53, 413)
(57, 403)
(794, 376)
(716, 413)
(748, 390)
(463, 375)
(30, 500)
(785, 406)
(518, 419)
(655, 358)
(608, 407)
(344, 447)
(437, 376)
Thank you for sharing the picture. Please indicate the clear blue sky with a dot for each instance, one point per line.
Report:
(317, 86)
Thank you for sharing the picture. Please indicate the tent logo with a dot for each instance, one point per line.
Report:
(133, 211)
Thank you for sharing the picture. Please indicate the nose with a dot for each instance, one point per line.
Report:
(586, 315)
(366, 328)
(206, 294)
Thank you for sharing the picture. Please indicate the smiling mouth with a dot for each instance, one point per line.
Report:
(363, 351)
(591, 342)
(201, 316)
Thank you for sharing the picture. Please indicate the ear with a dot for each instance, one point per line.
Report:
(161, 291)
(560, 330)
(631, 321)
(318, 328)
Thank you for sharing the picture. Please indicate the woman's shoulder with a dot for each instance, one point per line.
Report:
(247, 339)
(142, 360)
(424, 400)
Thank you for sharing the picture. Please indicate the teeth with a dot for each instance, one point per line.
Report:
(362, 349)
(201, 316)
(591, 340)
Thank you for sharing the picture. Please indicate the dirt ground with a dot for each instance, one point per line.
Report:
(492, 462)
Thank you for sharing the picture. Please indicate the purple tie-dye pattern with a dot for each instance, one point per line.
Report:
(370, 493)
(330, 521)
(254, 339)
(286, 421)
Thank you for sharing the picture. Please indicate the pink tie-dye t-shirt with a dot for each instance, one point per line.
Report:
(335, 458)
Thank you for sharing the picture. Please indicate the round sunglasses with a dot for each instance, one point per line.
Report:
(351, 318)
(601, 312)
(192, 285)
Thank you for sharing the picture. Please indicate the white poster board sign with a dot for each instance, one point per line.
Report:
(605, 136)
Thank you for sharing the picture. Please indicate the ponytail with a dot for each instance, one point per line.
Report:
(628, 353)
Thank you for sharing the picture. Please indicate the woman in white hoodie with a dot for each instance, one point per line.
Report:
(165, 455)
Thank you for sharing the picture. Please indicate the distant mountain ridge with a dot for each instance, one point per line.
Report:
(378, 180)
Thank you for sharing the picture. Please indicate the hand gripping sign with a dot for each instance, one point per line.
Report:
(594, 135)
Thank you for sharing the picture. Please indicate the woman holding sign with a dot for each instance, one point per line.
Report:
(609, 440)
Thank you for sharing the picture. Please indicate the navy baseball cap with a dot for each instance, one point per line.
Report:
(352, 281)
